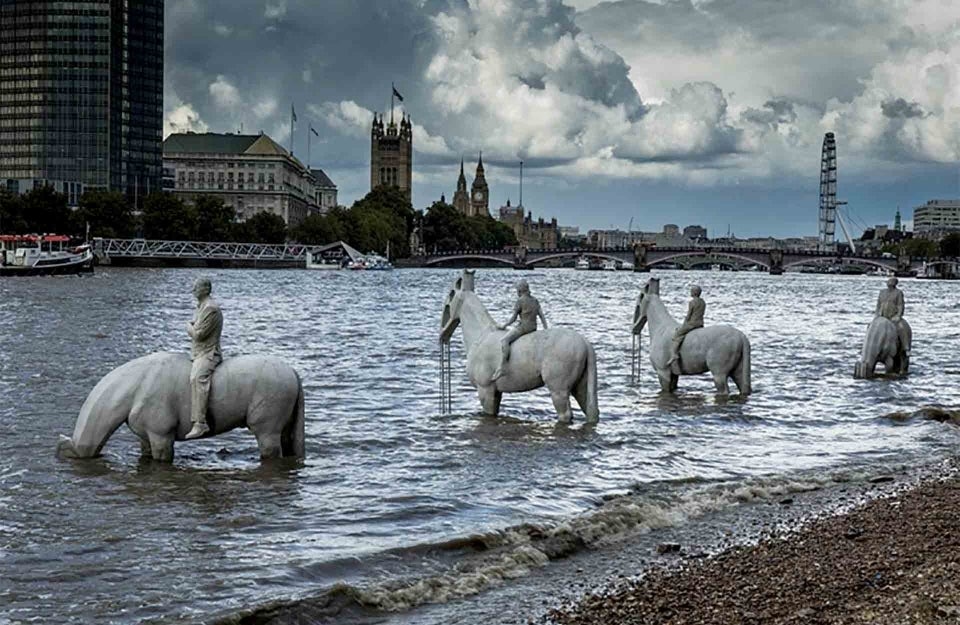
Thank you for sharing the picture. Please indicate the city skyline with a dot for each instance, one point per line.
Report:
(709, 112)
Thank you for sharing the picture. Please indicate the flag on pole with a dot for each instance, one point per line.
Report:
(314, 131)
(396, 93)
(293, 113)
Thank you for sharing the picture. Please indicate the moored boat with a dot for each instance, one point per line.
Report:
(582, 263)
(42, 255)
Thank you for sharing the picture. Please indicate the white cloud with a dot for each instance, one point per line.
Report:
(275, 9)
(222, 29)
(265, 108)
(350, 118)
(224, 94)
(183, 119)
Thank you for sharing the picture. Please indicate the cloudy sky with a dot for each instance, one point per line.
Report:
(655, 111)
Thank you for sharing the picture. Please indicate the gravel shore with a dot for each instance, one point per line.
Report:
(891, 561)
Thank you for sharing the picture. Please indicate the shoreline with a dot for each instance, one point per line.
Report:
(892, 559)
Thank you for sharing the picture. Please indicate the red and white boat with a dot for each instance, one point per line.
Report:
(42, 255)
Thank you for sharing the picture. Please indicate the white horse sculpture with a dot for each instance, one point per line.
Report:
(882, 345)
(152, 396)
(722, 350)
(560, 359)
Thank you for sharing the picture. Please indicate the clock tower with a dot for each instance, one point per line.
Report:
(479, 192)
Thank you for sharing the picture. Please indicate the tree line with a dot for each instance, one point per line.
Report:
(382, 218)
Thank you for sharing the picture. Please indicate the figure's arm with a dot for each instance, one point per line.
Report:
(543, 317)
(190, 328)
(879, 305)
(513, 317)
(206, 324)
(690, 311)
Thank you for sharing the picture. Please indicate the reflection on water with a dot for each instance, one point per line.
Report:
(118, 539)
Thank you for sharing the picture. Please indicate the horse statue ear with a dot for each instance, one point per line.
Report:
(654, 285)
(467, 280)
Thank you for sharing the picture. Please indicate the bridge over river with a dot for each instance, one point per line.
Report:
(643, 258)
(146, 252)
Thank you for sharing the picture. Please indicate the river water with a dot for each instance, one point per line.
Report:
(397, 506)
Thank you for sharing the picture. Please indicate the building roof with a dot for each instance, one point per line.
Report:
(323, 180)
(221, 143)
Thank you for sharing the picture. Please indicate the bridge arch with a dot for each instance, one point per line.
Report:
(577, 254)
(890, 264)
(708, 254)
(461, 257)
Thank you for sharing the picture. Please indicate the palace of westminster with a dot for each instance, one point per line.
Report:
(391, 162)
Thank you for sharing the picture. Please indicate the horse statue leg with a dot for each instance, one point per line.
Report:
(561, 401)
(489, 399)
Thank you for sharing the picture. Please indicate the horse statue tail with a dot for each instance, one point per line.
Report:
(743, 377)
(591, 410)
(294, 436)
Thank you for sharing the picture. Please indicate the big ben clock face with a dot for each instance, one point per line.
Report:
(478, 196)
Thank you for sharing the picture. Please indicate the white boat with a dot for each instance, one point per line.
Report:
(609, 265)
(35, 255)
(582, 263)
(319, 262)
(715, 267)
(371, 262)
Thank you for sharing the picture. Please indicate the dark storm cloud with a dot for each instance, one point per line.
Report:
(900, 108)
(774, 112)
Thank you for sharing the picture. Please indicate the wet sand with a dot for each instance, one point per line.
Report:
(894, 560)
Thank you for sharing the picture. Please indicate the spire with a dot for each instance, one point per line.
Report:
(480, 163)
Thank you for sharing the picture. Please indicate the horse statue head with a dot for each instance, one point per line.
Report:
(450, 318)
(652, 287)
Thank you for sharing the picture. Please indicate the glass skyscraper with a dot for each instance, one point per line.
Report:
(81, 95)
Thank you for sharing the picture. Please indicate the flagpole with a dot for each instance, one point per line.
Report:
(292, 116)
(393, 90)
(309, 130)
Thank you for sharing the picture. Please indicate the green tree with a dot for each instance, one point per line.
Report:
(168, 217)
(382, 216)
(322, 229)
(950, 245)
(46, 211)
(444, 228)
(214, 219)
(108, 214)
(920, 248)
(11, 214)
(262, 227)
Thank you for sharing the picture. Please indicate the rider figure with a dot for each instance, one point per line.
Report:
(890, 305)
(204, 333)
(693, 320)
(527, 309)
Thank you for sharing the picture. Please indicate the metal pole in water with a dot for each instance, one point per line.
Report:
(633, 360)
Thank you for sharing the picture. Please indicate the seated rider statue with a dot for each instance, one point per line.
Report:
(890, 305)
(692, 321)
(527, 309)
(204, 333)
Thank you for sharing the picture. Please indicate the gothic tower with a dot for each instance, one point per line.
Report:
(479, 192)
(391, 154)
(461, 201)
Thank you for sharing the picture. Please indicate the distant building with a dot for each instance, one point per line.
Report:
(81, 96)
(531, 234)
(461, 198)
(479, 192)
(694, 233)
(936, 217)
(325, 192)
(671, 230)
(251, 173)
(391, 154)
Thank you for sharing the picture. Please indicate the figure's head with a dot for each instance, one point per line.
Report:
(202, 288)
(892, 283)
(523, 288)
(695, 291)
